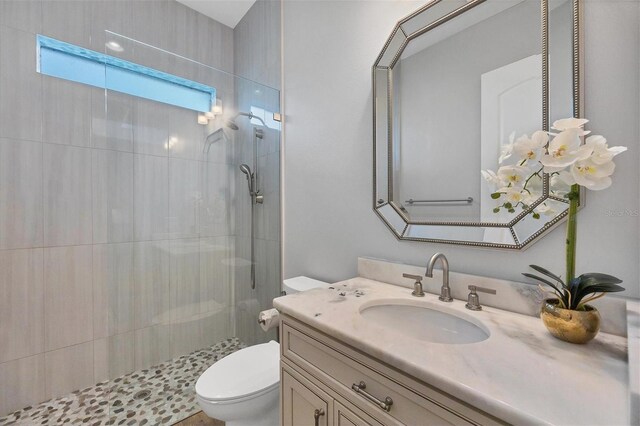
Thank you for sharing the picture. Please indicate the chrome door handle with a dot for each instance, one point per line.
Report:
(360, 388)
(316, 416)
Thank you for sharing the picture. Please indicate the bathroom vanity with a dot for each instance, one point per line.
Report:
(325, 379)
(342, 366)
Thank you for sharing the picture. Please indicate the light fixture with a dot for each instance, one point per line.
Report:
(114, 45)
(217, 108)
(202, 119)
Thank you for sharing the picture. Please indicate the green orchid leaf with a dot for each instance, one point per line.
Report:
(587, 281)
(600, 288)
(594, 288)
(545, 281)
(547, 273)
(574, 287)
(602, 277)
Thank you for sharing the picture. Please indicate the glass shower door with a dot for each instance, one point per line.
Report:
(176, 226)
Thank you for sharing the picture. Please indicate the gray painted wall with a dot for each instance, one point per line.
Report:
(329, 47)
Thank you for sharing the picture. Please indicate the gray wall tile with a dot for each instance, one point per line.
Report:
(216, 273)
(21, 208)
(20, 86)
(112, 179)
(58, 16)
(257, 44)
(21, 304)
(66, 112)
(113, 356)
(216, 218)
(68, 369)
(24, 15)
(67, 195)
(185, 278)
(68, 283)
(113, 289)
(152, 345)
(150, 197)
(150, 127)
(111, 120)
(152, 297)
(112, 15)
(22, 383)
(186, 136)
(185, 197)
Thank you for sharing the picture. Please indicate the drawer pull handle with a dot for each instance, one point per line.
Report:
(316, 416)
(360, 388)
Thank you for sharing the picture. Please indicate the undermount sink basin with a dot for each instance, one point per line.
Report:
(424, 323)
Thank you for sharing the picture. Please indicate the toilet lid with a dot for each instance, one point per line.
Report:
(243, 373)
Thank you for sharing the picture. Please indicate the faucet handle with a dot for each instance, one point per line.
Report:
(417, 278)
(474, 288)
(473, 301)
(417, 285)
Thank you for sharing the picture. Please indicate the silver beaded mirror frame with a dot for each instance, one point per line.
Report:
(392, 210)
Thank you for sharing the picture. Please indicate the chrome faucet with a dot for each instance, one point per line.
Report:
(445, 291)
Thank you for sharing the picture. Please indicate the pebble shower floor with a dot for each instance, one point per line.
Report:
(160, 395)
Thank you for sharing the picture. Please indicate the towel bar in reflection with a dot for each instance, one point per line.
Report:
(411, 201)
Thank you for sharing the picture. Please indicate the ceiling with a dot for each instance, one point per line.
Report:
(228, 12)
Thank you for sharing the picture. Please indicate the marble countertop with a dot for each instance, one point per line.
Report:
(520, 374)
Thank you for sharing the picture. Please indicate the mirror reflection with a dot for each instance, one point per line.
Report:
(466, 88)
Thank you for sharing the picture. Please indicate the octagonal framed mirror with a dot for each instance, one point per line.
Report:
(454, 85)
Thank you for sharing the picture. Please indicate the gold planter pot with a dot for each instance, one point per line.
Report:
(568, 325)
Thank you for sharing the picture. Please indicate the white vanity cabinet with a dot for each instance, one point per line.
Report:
(325, 382)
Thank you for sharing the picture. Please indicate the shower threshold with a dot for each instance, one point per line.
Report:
(160, 395)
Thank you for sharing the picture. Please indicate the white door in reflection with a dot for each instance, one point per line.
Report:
(511, 98)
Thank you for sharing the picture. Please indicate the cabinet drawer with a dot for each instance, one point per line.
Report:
(342, 368)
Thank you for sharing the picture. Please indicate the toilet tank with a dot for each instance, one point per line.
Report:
(298, 284)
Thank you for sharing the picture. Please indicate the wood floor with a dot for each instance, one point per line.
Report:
(199, 419)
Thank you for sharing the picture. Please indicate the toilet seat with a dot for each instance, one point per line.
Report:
(245, 374)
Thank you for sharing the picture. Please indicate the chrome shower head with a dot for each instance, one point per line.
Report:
(231, 124)
(247, 171)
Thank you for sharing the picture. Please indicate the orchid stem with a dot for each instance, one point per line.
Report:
(572, 227)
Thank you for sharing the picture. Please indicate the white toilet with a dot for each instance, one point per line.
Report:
(242, 389)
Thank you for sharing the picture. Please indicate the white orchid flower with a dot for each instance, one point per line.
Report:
(545, 209)
(512, 195)
(571, 123)
(491, 177)
(531, 149)
(564, 150)
(601, 152)
(591, 175)
(507, 150)
(513, 175)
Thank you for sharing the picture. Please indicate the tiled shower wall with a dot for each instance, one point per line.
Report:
(104, 266)
(257, 57)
